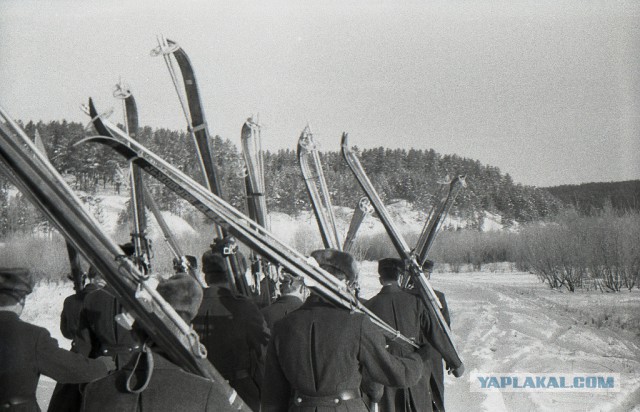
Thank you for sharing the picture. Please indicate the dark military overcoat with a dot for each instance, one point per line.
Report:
(406, 312)
(322, 351)
(170, 389)
(99, 334)
(284, 305)
(235, 334)
(26, 352)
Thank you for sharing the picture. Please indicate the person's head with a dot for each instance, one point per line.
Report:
(214, 267)
(292, 286)
(183, 293)
(15, 285)
(340, 264)
(389, 270)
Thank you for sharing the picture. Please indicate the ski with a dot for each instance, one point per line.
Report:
(141, 244)
(240, 225)
(197, 126)
(421, 282)
(38, 180)
(311, 167)
(360, 212)
(251, 140)
(437, 215)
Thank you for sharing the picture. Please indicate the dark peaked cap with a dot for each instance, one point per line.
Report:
(16, 282)
(183, 293)
(340, 264)
(390, 268)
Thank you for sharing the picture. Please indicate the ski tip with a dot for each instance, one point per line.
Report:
(345, 140)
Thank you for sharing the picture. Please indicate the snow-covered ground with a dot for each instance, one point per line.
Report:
(502, 322)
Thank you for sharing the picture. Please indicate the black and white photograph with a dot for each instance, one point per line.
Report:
(316, 206)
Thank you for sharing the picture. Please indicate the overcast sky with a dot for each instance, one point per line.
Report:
(548, 91)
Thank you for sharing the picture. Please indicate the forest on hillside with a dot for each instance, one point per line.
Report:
(590, 198)
(411, 175)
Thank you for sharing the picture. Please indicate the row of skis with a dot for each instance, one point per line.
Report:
(25, 163)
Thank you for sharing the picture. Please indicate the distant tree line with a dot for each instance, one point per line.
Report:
(412, 175)
(591, 198)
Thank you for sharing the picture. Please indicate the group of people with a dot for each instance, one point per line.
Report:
(300, 353)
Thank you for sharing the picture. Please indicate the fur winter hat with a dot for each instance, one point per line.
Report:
(340, 264)
(15, 282)
(183, 293)
(390, 268)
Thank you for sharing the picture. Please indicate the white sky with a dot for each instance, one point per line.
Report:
(549, 91)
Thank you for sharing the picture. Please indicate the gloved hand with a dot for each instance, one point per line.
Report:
(108, 362)
(457, 372)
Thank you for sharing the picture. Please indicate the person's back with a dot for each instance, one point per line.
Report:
(27, 351)
(99, 329)
(233, 330)
(406, 312)
(318, 354)
(150, 381)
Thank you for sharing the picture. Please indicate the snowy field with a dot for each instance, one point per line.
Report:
(502, 322)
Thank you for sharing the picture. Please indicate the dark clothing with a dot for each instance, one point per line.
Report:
(284, 305)
(170, 389)
(71, 312)
(99, 333)
(322, 351)
(26, 352)
(235, 334)
(67, 397)
(406, 312)
(437, 370)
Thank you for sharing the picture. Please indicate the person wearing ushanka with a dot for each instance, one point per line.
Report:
(150, 381)
(319, 353)
(28, 351)
(407, 313)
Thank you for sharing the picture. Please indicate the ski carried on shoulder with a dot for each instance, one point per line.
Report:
(38, 180)
(437, 215)
(251, 140)
(311, 167)
(360, 212)
(197, 125)
(239, 225)
(139, 239)
(420, 280)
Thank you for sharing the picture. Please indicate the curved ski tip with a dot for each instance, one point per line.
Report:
(93, 139)
(345, 140)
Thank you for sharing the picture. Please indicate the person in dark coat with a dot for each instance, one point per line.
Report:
(28, 351)
(292, 295)
(99, 334)
(318, 354)
(233, 330)
(150, 381)
(437, 370)
(407, 313)
(67, 397)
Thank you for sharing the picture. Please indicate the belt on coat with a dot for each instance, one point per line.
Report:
(300, 399)
(113, 350)
(8, 404)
